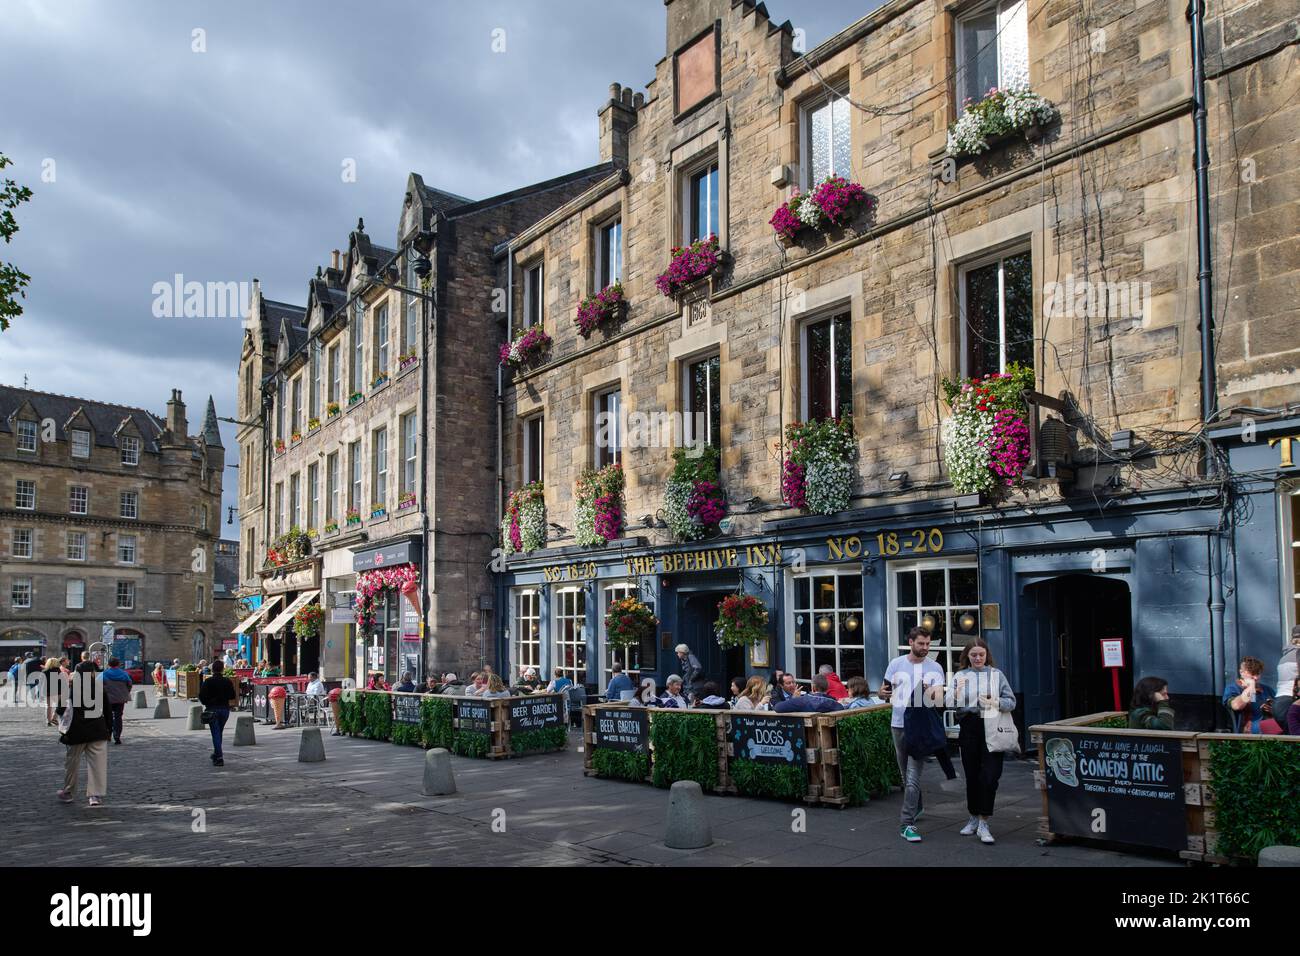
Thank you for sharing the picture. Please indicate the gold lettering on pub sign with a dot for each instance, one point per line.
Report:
(1284, 449)
(584, 571)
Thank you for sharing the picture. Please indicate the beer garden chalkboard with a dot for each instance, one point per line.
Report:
(535, 712)
(779, 740)
(473, 716)
(406, 709)
(1124, 788)
(622, 729)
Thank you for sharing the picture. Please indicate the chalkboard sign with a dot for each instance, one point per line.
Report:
(261, 703)
(406, 709)
(768, 739)
(473, 716)
(535, 712)
(623, 729)
(1123, 788)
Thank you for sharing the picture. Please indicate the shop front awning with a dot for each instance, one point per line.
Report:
(285, 616)
(259, 615)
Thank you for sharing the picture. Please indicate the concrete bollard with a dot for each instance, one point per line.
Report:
(244, 736)
(161, 709)
(141, 701)
(439, 780)
(311, 748)
(688, 822)
(1279, 856)
(196, 718)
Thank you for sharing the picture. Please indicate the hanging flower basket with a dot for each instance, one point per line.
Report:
(1001, 114)
(693, 499)
(523, 528)
(371, 585)
(605, 307)
(629, 623)
(688, 265)
(288, 548)
(742, 620)
(526, 347)
(818, 472)
(832, 204)
(308, 620)
(598, 508)
(986, 439)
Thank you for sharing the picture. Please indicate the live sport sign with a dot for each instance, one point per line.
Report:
(473, 716)
(535, 712)
(768, 739)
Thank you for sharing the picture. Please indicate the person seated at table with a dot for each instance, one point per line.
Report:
(559, 683)
(1150, 707)
(618, 683)
(1248, 697)
(376, 682)
(754, 696)
(818, 701)
(477, 685)
(405, 685)
(710, 697)
(315, 686)
(1293, 715)
(496, 687)
(859, 694)
(645, 695)
(431, 685)
(673, 693)
(451, 684)
(531, 680)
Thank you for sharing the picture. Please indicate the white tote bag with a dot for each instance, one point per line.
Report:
(1000, 733)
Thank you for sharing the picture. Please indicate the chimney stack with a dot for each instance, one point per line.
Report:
(177, 426)
(617, 117)
(334, 259)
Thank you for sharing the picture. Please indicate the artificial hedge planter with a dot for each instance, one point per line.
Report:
(1248, 778)
(686, 748)
(868, 765)
(378, 711)
(533, 741)
(369, 714)
(782, 782)
(620, 765)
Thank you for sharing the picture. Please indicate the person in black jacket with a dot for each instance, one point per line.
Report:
(216, 693)
(87, 734)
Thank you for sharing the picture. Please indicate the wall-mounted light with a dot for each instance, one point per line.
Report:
(899, 478)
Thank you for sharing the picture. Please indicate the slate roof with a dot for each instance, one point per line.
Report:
(438, 199)
(275, 312)
(105, 417)
(211, 430)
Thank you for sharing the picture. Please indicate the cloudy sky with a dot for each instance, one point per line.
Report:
(153, 150)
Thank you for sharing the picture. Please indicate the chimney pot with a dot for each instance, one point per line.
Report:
(615, 91)
(627, 96)
(334, 259)
(638, 100)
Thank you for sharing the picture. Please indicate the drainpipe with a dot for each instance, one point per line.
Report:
(1205, 288)
(428, 314)
(498, 581)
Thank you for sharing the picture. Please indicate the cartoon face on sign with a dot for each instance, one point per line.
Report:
(1060, 761)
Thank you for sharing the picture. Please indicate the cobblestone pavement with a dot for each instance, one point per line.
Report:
(363, 806)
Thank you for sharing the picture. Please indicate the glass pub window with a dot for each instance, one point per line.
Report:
(610, 254)
(828, 368)
(629, 657)
(943, 597)
(826, 132)
(608, 442)
(704, 402)
(992, 49)
(704, 203)
(828, 624)
(997, 315)
(533, 449)
(528, 638)
(570, 640)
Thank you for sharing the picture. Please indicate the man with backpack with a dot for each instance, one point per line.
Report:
(911, 678)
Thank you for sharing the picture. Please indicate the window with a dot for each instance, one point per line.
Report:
(248, 390)
(992, 49)
(76, 594)
(80, 443)
(570, 627)
(313, 495)
(826, 150)
(533, 449)
(279, 508)
(295, 422)
(126, 549)
(203, 517)
(280, 399)
(295, 503)
(633, 658)
(354, 470)
(198, 599)
(20, 593)
(129, 504)
(381, 340)
(26, 436)
(609, 254)
(358, 347)
(130, 451)
(827, 368)
(250, 548)
(942, 596)
(703, 402)
(410, 452)
(703, 220)
(533, 296)
(997, 314)
(76, 546)
(411, 327)
(332, 488)
(1289, 512)
(827, 623)
(25, 495)
(22, 543)
(78, 499)
(126, 595)
(527, 631)
(334, 380)
(608, 448)
(313, 387)
(379, 473)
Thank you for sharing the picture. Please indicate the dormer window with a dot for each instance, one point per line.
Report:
(27, 437)
(80, 443)
(130, 451)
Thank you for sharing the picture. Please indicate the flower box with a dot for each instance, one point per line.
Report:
(986, 439)
(378, 511)
(833, 204)
(295, 438)
(1001, 116)
(817, 474)
(380, 381)
(406, 501)
(333, 409)
(313, 424)
(406, 361)
(688, 265)
(353, 516)
(605, 307)
(354, 398)
(279, 446)
(313, 534)
(331, 527)
(525, 348)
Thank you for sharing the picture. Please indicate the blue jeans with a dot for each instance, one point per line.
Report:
(219, 717)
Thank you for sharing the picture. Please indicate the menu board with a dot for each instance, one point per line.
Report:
(1124, 788)
(535, 712)
(406, 708)
(473, 716)
(626, 728)
(261, 703)
(768, 739)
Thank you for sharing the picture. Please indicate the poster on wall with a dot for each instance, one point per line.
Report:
(768, 739)
(623, 729)
(1125, 788)
(536, 712)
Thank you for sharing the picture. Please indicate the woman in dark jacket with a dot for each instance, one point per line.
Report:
(87, 734)
(1151, 709)
(216, 694)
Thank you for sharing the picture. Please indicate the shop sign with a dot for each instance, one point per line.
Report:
(536, 712)
(777, 740)
(303, 579)
(888, 544)
(1286, 459)
(391, 555)
(1123, 788)
(406, 709)
(585, 571)
(625, 728)
(473, 716)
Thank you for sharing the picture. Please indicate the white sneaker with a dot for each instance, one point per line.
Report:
(971, 826)
(983, 831)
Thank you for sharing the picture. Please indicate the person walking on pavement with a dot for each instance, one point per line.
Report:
(217, 694)
(32, 677)
(910, 678)
(978, 688)
(85, 733)
(117, 691)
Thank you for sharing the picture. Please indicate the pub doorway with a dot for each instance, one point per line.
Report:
(697, 613)
(1062, 622)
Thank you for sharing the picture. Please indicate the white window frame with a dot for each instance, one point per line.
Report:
(26, 436)
(837, 400)
(411, 319)
(947, 654)
(313, 386)
(332, 487)
(630, 658)
(558, 641)
(130, 596)
(379, 468)
(688, 417)
(534, 291)
(25, 490)
(127, 546)
(355, 473)
(382, 339)
(295, 414)
(73, 499)
(25, 584)
(359, 347)
(74, 553)
(130, 451)
(703, 164)
(68, 602)
(133, 497)
(807, 176)
(526, 631)
(295, 494)
(602, 258)
(966, 267)
(75, 436)
(198, 599)
(27, 552)
(334, 364)
(1012, 33)
(812, 573)
(279, 508)
(313, 495)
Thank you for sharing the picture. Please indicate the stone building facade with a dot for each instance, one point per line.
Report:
(1069, 247)
(109, 514)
